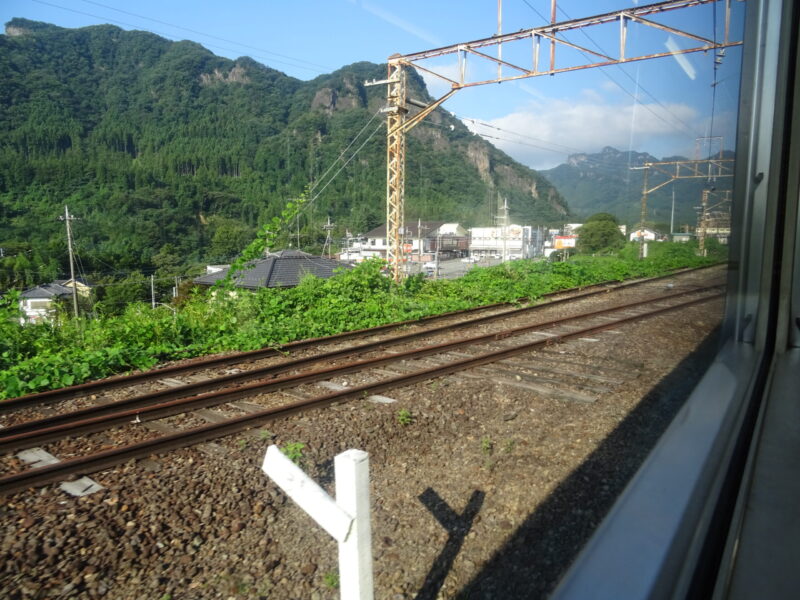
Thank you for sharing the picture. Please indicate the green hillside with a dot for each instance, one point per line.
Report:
(605, 182)
(173, 156)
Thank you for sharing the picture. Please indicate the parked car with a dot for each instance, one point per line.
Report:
(470, 259)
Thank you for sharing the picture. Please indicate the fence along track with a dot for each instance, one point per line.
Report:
(102, 385)
(102, 460)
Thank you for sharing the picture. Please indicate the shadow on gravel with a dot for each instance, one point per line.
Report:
(457, 526)
(539, 552)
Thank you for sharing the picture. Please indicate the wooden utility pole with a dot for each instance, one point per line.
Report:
(68, 218)
(328, 227)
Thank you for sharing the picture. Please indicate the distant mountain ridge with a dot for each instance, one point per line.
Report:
(607, 181)
(171, 155)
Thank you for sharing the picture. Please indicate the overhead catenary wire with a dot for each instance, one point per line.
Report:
(343, 152)
(319, 181)
(687, 128)
(349, 160)
(167, 35)
(562, 148)
(208, 35)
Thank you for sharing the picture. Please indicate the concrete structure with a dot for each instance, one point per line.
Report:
(421, 240)
(649, 235)
(682, 237)
(511, 242)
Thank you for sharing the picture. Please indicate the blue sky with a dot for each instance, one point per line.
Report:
(659, 106)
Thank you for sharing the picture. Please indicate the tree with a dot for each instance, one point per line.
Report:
(603, 216)
(599, 235)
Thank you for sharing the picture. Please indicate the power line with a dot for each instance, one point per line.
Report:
(597, 161)
(209, 35)
(635, 82)
(310, 202)
(166, 35)
(688, 129)
(342, 153)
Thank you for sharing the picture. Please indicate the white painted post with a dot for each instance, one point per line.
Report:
(355, 552)
(347, 519)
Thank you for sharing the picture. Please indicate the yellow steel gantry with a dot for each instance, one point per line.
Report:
(398, 124)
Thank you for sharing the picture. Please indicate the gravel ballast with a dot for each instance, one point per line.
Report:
(489, 492)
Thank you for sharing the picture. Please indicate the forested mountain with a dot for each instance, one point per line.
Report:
(171, 155)
(605, 182)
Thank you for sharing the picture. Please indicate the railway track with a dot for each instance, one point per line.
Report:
(455, 319)
(414, 357)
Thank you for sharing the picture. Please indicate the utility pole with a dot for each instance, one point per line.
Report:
(505, 230)
(153, 291)
(438, 246)
(328, 227)
(672, 216)
(68, 218)
(420, 241)
(710, 169)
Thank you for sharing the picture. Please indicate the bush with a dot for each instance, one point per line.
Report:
(45, 356)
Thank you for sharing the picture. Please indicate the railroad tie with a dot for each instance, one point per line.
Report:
(37, 457)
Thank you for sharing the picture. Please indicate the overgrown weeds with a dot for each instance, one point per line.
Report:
(37, 357)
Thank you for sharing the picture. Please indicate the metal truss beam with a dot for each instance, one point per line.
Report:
(709, 168)
(398, 125)
(550, 33)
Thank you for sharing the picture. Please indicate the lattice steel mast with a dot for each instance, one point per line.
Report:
(398, 123)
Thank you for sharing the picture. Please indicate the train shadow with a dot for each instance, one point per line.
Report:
(530, 564)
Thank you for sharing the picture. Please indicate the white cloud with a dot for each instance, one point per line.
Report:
(544, 133)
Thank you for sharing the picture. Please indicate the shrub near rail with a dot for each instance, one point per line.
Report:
(69, 351)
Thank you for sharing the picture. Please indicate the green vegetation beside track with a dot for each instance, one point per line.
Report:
(43, 356)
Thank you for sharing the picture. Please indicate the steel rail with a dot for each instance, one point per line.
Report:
(193, 389)
(81, 389)
(46, 430)
(108, 458)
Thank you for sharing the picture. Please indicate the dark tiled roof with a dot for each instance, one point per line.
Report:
(47, 290)
(280, 269)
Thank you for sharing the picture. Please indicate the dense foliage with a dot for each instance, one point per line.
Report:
(67, 351)
(601, 234)
(171, 155)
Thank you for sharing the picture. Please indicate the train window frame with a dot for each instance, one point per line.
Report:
(676, 530)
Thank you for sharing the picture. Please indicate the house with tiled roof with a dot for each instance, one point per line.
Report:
(278, 269)
(38, 303)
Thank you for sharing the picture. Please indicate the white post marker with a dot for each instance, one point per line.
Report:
(346, 519)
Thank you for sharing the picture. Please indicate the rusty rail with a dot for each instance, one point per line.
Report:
(82, 389)
(108, 458)
(159, 403)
